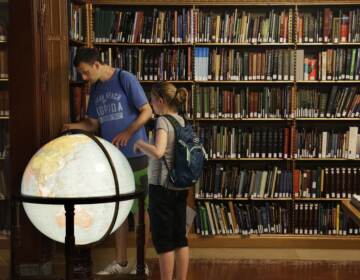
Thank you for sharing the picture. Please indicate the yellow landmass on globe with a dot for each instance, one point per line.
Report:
(51, 159)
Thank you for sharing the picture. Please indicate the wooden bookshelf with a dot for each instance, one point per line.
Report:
(290, 163)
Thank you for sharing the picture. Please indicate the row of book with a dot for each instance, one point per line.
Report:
(233, 25)
(314, 143)
(322, 218)
(228, 64)
(329, 26)
(339, 102)
(222, 181)
(192, 25)
(221, 218)
(151, 26)
(4, 103)
(225, 218)
(76, 16)
(331, 64)
(237, 103)
(4, 74)
(329, 182)
(152, 65)
(240, 26)
(79, 99)
(245, 142)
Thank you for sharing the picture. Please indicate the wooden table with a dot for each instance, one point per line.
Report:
(351, 211)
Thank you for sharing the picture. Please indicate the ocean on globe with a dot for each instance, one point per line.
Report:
(75, 166)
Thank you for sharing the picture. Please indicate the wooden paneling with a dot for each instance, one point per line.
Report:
(57, 86)
(38, 97)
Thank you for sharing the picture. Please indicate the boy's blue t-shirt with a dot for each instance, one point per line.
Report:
(116, 110)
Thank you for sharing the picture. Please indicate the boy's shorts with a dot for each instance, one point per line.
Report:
(139, 166)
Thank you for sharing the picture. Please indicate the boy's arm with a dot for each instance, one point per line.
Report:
(121, 139)
(88, 124)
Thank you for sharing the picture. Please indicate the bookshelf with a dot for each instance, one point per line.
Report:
(78, 37)
(291, 120)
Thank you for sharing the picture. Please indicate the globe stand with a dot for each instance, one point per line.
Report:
(69, 232)
(70, 202)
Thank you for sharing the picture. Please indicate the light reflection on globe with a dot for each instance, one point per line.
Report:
(75, 166)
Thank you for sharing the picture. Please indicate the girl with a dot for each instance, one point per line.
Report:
(167, 205)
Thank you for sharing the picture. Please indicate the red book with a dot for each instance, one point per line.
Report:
(312, 69)
(296, 179)
(344, 29)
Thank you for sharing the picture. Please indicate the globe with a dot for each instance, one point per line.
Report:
(75, 166)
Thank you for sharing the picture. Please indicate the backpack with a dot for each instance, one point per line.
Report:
(189, 156)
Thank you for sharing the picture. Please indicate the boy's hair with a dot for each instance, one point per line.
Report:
(87, 55)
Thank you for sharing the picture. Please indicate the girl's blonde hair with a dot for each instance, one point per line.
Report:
(170, 94)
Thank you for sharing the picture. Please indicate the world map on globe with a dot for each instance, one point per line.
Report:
(75, 166)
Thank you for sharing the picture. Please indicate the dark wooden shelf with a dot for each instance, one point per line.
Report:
(242, 119)
(77, 43)
(327, 119)
(248, 159)
(79, 2)
(244, 44)
(244, 198)
(118, 44)
(244, 82)
(325, 159)
(158, 81)
(330, 82)
(319, 199)
(327, 44)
